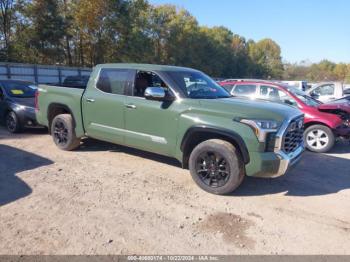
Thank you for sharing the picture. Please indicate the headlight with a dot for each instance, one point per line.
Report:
(261, 127)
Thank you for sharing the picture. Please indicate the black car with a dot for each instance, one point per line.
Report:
(17, 109)
(76, 81)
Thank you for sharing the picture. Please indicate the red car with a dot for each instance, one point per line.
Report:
(324, 123)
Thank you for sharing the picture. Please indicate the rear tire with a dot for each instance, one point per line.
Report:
(13, 124)
(319, 138)
(63, 133)
(216, 166)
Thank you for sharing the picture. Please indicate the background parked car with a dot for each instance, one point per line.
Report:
(323, 122)
(301, 85)
(17, 99)
(328, 91)
(76, 81)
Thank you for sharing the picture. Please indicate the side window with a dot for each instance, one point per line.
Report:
(144, 80)
(275, 95)
(325, 90)
(113, 81)
(244, 90)
(228, 87)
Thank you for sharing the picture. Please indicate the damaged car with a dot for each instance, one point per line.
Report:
(324, 122)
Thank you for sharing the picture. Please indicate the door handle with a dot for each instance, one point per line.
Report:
(131, 106)
(90, 100)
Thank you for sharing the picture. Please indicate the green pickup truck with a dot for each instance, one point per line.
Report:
(178, 112)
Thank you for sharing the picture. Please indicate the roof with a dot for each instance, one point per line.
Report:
(251, 81)
(146, 67)
(5, 81)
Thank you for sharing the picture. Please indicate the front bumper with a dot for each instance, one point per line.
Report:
(27, 118)
(289, 160)
(273, 164)
(343, 131)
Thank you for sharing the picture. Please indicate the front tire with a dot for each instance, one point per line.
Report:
(63, 133)
(216, 166)
(13, 124)
(319, 138)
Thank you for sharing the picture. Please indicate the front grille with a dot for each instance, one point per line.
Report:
(293, 137)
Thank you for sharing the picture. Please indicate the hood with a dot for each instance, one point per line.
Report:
(341, 104)
(26, 101)
(253, 109)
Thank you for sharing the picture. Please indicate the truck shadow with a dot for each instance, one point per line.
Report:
(13, 161)
(316, 174)
(92, 145)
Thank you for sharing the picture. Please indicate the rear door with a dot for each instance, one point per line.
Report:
(104, 105)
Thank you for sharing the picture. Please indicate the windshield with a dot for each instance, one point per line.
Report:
(20, 89)
(303, 96)
(197, 85)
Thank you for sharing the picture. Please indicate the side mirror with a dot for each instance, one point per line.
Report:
(157, 94)
(288, 102)
(314, 95)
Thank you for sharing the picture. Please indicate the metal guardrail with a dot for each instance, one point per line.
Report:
(40, 74)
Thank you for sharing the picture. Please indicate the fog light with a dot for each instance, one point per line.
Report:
(30, 123)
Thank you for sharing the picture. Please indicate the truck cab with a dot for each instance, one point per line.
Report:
(177, 112)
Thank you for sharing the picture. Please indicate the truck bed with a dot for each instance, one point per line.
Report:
(68, 97)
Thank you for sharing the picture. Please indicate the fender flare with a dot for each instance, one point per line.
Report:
(232, 135)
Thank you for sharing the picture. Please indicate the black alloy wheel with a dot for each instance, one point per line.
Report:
(213, 169)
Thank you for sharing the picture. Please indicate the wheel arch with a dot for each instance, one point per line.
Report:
(55, 109)
(197, 134)
(312, 123)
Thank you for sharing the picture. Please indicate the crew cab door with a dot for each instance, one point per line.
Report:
(104, 105)
(150, 125)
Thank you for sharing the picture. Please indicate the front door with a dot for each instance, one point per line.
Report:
(104, 105)
(150, 125)
(324, 93)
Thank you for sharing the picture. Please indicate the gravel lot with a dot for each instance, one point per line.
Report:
(107, 199)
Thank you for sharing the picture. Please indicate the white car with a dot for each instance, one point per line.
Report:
(301, 85)
(328, 91)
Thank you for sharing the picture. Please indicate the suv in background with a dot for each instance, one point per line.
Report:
(323, 122)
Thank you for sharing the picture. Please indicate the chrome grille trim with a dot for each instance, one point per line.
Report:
(294, 140)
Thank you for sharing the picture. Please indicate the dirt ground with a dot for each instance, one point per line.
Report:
(107, 199)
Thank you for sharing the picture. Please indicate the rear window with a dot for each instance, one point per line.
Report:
(113, 81)
(244, 90)
(20, 89)
(228, 87)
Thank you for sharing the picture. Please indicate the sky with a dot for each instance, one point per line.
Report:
(309, 30)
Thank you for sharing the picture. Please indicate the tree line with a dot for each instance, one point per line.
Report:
(86, 33)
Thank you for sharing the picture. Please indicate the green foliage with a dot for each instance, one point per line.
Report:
(323, 71)
(85, 33)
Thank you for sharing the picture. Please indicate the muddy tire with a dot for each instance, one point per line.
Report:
(319, 138)
(63, 133)
(216, 166)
